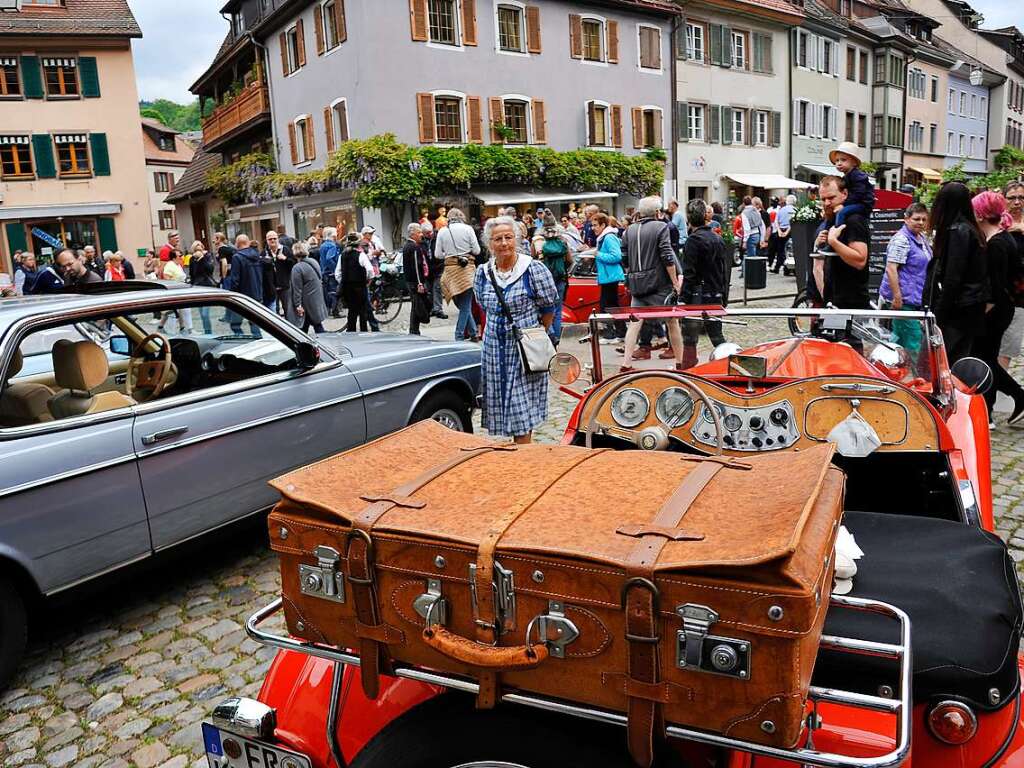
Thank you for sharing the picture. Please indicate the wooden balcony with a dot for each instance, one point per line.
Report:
(249, 106)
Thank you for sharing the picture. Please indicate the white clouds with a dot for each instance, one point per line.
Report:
(180, 38)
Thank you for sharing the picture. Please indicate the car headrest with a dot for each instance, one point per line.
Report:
(15, 366)
(79, 365)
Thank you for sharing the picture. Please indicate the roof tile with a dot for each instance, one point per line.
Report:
(76, 17)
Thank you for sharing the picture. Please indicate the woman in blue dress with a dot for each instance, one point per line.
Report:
(514, 402)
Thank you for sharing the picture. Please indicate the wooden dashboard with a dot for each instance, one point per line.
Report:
(785, 417)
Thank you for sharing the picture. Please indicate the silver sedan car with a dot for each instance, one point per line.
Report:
(132, 420)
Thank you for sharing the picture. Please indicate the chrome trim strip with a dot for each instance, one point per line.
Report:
(66, 475)
(97, 574)
(248, 425)
(901, 707)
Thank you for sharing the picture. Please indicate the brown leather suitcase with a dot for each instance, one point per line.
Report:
(677, 589)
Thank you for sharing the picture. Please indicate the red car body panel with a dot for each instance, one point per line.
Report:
(299, 686)
(583, 298)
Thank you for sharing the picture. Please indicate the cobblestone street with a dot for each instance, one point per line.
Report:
(123, 674)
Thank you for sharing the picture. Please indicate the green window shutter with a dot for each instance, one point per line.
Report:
(726, 46)
(100, 156)
(16, 240)
(681, 39)
(89, 76)
(714, 128)
(715, 33)
(32, 77)
(727, 125)
(776, 128)
(108, 234)
(682, 127)
(42, 148)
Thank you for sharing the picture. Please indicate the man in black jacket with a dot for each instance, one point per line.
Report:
(277, 263)
(703, 277)
(417, 272)
(246, 277)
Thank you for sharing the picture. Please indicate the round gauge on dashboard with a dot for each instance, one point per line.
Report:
(630, 407)
(706, 414)
(732, 422)
(674, 407)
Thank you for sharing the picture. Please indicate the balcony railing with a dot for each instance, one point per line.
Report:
(249, 105)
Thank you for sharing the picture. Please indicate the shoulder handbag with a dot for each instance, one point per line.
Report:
(642, 282)
(535, 347)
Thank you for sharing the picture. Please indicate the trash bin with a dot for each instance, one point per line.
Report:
(755, 271)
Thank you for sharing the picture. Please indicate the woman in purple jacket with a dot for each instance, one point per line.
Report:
(906, 267)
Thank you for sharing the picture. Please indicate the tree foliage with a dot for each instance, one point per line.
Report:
(1008, 166)
(180, 117)
(384, 173)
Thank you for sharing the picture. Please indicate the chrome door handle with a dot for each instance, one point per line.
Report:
(163, 434)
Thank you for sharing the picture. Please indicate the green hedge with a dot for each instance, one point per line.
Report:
(385, 173)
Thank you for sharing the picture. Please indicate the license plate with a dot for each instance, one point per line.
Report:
(226, 750)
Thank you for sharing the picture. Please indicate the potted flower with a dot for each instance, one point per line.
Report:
(806, 219)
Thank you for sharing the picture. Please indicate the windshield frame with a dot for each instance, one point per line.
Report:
(681, 311)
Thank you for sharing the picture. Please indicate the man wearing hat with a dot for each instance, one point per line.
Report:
(860, 194)
(352, 273)
(373, 247)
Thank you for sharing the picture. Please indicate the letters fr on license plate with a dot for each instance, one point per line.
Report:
(226, 750)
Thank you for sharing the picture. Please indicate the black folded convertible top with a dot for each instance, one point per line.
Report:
(959, 586)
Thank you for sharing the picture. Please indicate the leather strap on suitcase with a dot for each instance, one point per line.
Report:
(640, 600)
(373, 635)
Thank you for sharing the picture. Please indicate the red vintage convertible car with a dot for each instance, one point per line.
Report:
(583, 295)
(919, 663)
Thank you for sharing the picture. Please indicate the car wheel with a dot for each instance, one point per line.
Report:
(13, 629)
(446, 732)
(445, 408)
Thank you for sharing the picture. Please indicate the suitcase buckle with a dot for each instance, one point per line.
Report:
(554, 629)
(503, 584)
(431, 606)
(699, 651)
(323, 580)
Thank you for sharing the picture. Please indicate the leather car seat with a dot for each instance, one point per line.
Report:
(78, 368)
(23, 403)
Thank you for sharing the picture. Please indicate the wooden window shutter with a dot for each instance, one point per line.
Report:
(282, 40)
(656, 52)
(727, 125)
(777, 129)
(540, 126)
(715, 33)
(292, 144)
(497, 110)
(89, 75)
(42, 150)
(425, 114)
(318, 28)
(300, 38)
(657, 129)
(715, 123)
(310, 138)
(751, 117)
(532, 29)
(16, 238)
(329, 128)
(468, 22)
(107, 232)
(100, 154)
(590, 124)
(418, 20)
(645, 49)
(339, 20)
(32, 77)
(616, 121)
(682, 117)
(475, 118)
(575, 36)
(638, 128)
(612, 32)
(341, 115)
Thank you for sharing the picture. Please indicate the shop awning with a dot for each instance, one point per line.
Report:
(928, 174)
(53, 211)
(767, 181)
(514, 195)
(821, 170)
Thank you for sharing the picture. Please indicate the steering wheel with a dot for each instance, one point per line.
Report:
(652, 438)
(147, 374)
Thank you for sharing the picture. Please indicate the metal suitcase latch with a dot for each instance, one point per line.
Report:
(503, 584)
(431, 606)
(554, 629)
(699, 651)
(323, 580)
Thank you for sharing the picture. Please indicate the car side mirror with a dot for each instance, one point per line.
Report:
(120, 345)
(971, 375)
(307, 355)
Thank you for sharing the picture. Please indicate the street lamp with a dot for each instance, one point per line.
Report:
(977, 76)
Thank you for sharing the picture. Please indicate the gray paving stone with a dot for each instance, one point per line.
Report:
(103, 706)
(133, 728)
(22, 739)
(150, 755)
(156, 699)
(59, 723)
(26, 702)
(20, 758)
(62, 738)
(15, 723)
(64, 756)
(218, 630)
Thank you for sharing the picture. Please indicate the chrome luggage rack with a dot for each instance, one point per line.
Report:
(900, 706)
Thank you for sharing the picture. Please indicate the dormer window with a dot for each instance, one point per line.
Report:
(166, 142)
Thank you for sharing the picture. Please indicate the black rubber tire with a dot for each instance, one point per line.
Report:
(447, 731)
(444, 402)
(13, 629)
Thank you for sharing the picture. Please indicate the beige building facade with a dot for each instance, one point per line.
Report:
(72, 167)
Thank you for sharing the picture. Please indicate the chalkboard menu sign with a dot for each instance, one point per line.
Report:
(884, 224)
